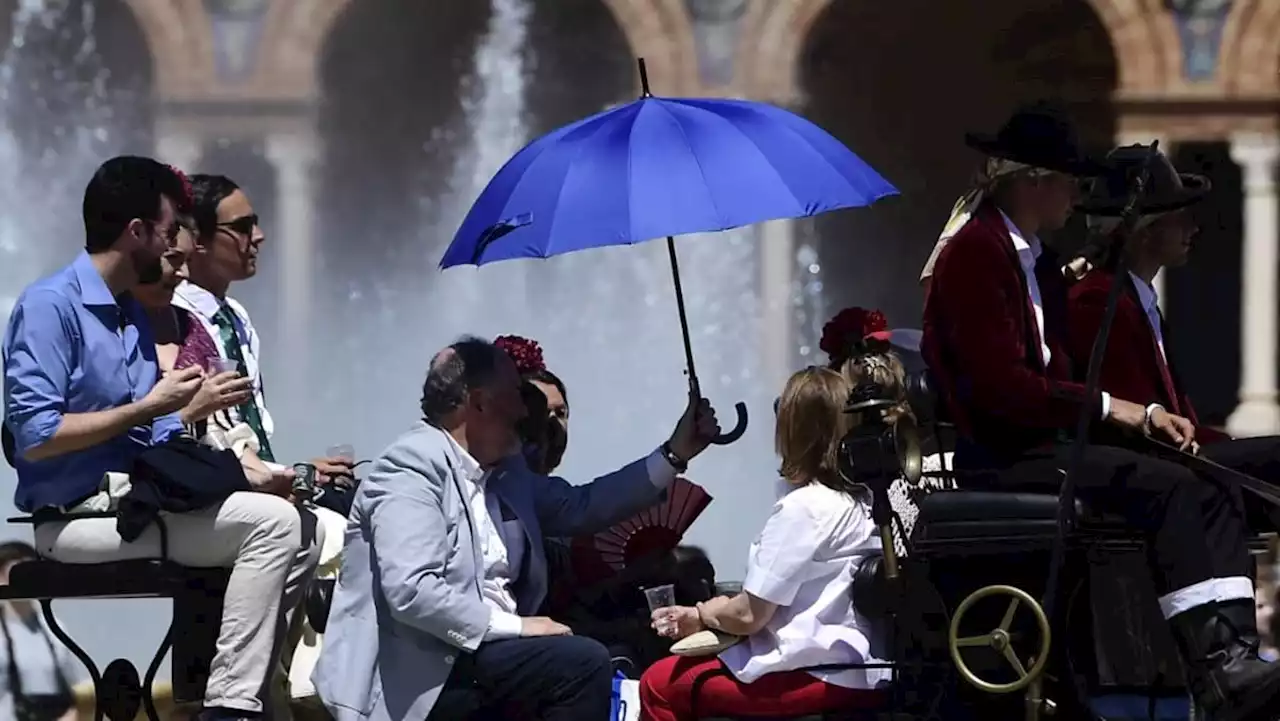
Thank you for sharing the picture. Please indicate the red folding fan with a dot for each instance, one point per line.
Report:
(655, 530)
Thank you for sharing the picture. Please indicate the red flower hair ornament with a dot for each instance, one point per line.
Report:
(526, 353)
(854, 331)
(188, 199)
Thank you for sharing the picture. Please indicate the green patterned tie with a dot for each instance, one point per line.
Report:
(249, 409)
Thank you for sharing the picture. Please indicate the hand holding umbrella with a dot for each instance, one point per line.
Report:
(661, 167)
(696, 430)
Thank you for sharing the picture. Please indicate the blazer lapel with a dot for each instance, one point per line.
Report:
(1153, 346)
(464, 499)
(1175, 381)
(529, 587)
(1030, 332)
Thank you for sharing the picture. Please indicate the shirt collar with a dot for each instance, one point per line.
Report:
(197, 299)
(1021, 243)
(93, 289)
(470, 466)
(1146, 293)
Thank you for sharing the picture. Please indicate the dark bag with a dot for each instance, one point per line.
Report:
(36, 707)
(178, 476)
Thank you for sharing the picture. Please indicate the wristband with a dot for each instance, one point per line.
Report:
(1146, 418)
(679, 464)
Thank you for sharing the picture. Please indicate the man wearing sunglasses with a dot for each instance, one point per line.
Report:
(84, 396)
(229, 238)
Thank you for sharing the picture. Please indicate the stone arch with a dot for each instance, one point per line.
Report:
(961, 72)
(774, 34)
(658, 30)
(178, 38)
(1251, 49)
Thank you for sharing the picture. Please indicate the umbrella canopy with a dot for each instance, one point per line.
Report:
(660, 167)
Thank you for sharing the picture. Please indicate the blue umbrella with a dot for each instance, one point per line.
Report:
(661, 167)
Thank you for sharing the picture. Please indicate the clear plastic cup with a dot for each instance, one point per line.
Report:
(223, 365)
(658, 597)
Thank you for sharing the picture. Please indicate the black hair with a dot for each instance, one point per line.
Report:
(209, 192)
(11, 551)
(533, 429)
(546, 376)
(123, 189)
(693, 574)
(468, 363)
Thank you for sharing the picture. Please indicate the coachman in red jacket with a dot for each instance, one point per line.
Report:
(996, 338)
(1138, 364)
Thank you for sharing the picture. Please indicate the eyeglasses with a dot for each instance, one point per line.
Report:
(243, 225)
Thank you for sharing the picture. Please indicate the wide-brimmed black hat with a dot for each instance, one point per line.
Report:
(1041, 136)
(1166, 190)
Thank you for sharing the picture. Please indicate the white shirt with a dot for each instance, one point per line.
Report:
(1028, 250)
(502, 543)
(1151, 308)
(804, 561)
(500, 567)
(204, 305)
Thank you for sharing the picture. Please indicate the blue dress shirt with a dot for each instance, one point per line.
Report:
(72, 348)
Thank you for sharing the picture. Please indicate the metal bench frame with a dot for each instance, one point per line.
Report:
(118, 692)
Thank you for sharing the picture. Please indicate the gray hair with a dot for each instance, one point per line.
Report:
(467, 364)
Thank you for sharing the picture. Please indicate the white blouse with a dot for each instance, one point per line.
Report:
(803, 561)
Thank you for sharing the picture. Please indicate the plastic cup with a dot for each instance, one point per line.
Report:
(223, 365)
(658, 597)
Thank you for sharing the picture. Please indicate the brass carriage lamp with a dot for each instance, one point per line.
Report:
(876, 452)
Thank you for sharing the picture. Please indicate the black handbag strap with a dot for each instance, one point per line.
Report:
(15, 676)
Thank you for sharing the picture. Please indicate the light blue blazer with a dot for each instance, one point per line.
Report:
(408, 596)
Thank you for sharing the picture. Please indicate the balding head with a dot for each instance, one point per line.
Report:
(473, 392)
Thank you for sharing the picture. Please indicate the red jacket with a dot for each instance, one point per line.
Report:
(1133, 368)
(983, 346)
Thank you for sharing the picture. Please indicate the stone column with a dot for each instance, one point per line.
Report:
(293, 156)
(180, 149)
(777, 263)
(1258, 412)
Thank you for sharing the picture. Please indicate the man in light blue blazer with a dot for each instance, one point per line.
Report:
(444, 563)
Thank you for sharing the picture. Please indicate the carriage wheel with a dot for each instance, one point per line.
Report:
(998, 640)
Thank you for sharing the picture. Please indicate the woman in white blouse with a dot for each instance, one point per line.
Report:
(795, 610)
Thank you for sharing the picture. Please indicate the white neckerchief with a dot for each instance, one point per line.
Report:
(968, 203)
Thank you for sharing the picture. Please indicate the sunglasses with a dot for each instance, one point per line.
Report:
(243, 225)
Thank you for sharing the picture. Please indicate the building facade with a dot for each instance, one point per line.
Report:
(310, 87)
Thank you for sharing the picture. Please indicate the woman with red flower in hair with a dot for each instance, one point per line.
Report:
(857, 344)
(615, 615)
(547, 427)
(181, 341)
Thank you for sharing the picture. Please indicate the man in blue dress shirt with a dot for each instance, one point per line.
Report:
(83, 397)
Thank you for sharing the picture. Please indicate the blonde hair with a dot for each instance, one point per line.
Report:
(811, 423)
(885, 370)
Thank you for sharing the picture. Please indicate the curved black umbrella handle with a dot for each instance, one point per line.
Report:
(739, 427)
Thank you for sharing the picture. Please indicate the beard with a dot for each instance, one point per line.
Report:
(148, 268)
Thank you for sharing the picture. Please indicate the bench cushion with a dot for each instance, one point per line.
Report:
(35, 580)
(961, 515)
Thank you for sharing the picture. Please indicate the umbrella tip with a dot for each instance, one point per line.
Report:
(644, 79)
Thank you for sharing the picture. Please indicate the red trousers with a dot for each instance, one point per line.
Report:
(666, 693)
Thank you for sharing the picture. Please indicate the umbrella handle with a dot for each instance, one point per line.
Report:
(739, 428)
